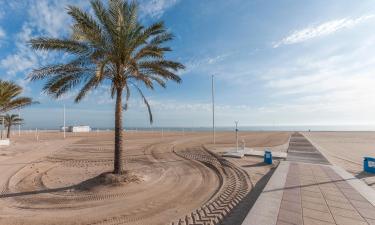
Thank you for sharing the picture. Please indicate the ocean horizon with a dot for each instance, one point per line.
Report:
(227, 128)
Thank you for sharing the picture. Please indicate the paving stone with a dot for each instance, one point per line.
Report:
(355, 196)
(346, 213)
(336, 198)
(290, 217)
(367, 212)
(313, 200)
(312, 194)
(340, 205)
(361, 204)
(370, 221)
(340, 220)
(310, 221)
(283, 223)
(292, 198)
(318, 215)
(292, 206)
(337, 193)
(314, 206)
(312, 188)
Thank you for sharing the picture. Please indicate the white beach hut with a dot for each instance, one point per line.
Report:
(79, 129)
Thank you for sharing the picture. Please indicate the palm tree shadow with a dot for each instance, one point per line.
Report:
(85, 185)
(259, 164)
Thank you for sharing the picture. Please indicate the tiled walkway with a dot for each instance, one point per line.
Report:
(301, 150)
(303, 191)
(317, 195)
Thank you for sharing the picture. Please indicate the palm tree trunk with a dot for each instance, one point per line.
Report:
(118, 164)
(8, 133)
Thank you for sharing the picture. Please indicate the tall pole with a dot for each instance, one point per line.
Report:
(236, 135)
(64, 128)
(19, 125)
(213, 109)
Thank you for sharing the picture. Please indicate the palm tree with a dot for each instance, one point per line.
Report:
(11, 120)
(9, 97)
(111, 47)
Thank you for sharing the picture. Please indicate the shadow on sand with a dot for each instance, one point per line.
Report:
(104, 179)
(259, 164)
(240, 211)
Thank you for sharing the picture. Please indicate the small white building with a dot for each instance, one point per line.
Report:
(4, 142)
(79, 129)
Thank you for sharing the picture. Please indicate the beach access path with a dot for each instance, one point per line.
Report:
(307, 190)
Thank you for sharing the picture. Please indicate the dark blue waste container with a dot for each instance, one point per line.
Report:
(369, 165)
(268, 157)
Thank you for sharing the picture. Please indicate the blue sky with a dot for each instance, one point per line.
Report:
(275, 63)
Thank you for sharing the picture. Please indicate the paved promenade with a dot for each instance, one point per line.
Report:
(308, 192)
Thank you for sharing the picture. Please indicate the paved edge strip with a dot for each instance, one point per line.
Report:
(366, 191)
(266, 209)
(318, 147)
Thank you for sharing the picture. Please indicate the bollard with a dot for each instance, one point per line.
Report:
(369, 165)
(268, 157)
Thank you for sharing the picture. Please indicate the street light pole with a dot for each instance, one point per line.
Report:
(236, 122)
(213, 109)
(19, 125)
(64, 126)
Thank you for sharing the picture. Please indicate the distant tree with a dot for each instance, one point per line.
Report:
(11, 120)
(10, 98)
(112, 47)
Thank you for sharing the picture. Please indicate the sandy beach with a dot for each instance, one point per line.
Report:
(346, 149)
(53, 181)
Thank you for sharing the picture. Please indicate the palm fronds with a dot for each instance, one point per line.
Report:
(9, 97)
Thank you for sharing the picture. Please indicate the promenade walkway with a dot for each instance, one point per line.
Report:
(306, 190)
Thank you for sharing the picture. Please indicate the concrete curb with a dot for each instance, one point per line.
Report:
(266, 209)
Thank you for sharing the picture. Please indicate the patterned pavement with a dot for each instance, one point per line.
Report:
(306, 190)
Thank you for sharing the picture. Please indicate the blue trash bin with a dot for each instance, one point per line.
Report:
(268, 157)
(369, 165)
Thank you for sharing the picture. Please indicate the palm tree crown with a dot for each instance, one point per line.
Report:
(9, 97)
(110, 47)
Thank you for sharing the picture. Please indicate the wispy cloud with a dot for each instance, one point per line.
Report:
(156, 8)
(323, 29)
(44, 18)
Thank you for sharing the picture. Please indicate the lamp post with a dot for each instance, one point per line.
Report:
(213, 109)
(236, 122)
(19, 125)
(64, 126)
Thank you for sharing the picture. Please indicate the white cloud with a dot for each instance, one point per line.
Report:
(156, 8)
(49, 17)
(45, 18)
(204, 64)
(321, 30)
(23, 59)
(326, 87)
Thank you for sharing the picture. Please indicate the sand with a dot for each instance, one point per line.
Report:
(347, 149)
(181, 177)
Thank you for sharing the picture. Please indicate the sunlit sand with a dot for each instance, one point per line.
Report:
(52, 181)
